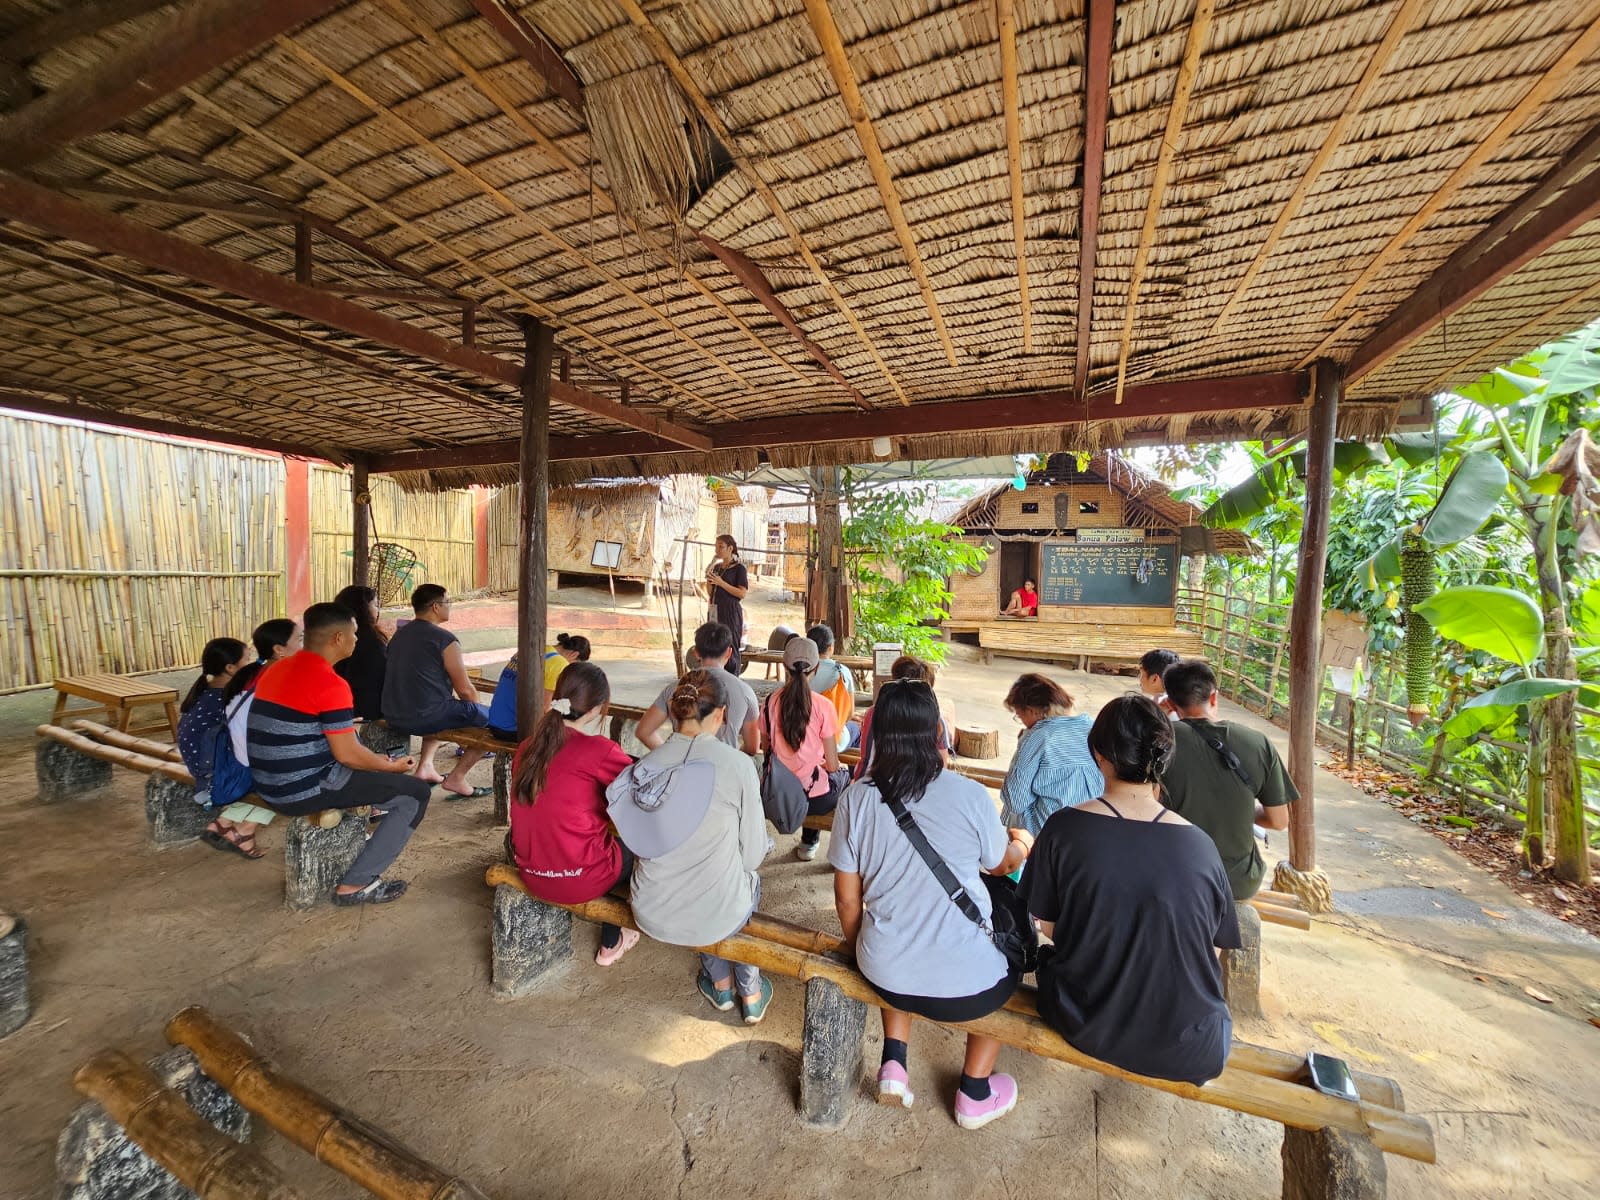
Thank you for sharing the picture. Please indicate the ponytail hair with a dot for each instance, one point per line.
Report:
(697, 696)
(1135, 737)
(794, 706)
(581, 689)
(219, 654)
(575, 644)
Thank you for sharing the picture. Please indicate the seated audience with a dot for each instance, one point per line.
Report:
(560, 836)
(905, 668)
(204, 712)
(833, 680)
(1024, 601)
(690, 811)
(1052, 767)
(568, 649)
(364, 670)
(1153, 666)
(426, 689)
(305, 757)
(1224, 777)
(273, 640)
(802, 730)
(921, 953)
(1137, 904)
(713, 646)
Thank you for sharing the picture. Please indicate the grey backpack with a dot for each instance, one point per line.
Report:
(783, 796)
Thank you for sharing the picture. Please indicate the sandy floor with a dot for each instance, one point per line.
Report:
(624, 1083)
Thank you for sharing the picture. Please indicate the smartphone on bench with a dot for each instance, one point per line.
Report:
(1331, 1076)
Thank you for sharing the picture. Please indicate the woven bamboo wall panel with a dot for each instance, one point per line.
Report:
(1107, 501)
(435, 526)
(126, 553)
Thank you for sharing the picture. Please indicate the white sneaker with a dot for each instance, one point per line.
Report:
(806, 851)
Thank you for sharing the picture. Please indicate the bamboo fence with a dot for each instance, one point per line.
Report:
(123, 553)
(1247, 645)
(435, 526)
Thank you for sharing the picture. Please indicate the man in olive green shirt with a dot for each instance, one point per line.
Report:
(1224, 777)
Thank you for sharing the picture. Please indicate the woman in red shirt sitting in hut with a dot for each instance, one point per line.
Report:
(560, 841)
(1024, 601)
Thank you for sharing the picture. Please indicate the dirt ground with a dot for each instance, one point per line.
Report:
(624, 1083)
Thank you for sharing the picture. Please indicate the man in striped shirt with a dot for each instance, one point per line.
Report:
(305, 757)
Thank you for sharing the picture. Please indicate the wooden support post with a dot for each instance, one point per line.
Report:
(832, 605)
(534, 475)
(1300, 875)
(469, 326)
(361, 524)
(304, 265)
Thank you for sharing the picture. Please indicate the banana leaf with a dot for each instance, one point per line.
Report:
(1469, 496)
(1492, 709)
(1272, 481)
(1496, 620)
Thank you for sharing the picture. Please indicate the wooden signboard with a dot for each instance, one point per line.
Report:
(1122, 576)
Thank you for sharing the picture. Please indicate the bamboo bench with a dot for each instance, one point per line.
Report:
(530, 937)
(209, 1154)
(1082, 644)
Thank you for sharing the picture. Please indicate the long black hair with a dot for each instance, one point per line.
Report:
(219, 654)
(359, 600)
(794, 705)
(1135, 737)
(268, 636)
(905, 740)
(584, 687)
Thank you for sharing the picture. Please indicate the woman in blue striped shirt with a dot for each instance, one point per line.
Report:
(1053, 768)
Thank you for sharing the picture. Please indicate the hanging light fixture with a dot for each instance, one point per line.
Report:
(882, 447)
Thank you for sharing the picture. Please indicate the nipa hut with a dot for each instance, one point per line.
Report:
(1103, 541)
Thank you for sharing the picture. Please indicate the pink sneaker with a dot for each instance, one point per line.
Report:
(893, 1086)
(605, 957)
(975, 1114)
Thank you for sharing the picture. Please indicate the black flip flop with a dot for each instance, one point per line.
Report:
(379, 891)
(477, 793)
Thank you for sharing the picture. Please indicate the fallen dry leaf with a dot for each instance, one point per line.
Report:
(1538, 995)
(1498, 916)
(1595, 1021)
(1480, 979)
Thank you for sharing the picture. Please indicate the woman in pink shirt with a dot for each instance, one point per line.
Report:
(804, 735)
(561, 842)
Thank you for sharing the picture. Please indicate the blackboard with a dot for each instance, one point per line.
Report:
(1109, 575)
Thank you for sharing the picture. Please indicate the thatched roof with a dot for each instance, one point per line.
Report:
(908, 179)
(1151, 503)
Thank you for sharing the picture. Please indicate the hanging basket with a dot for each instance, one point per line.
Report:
(394, 572)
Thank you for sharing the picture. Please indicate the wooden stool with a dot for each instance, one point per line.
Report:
(116, 696)
(977, 742)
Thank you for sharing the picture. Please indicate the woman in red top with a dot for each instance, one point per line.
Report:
(1024, 601)
(561, 843)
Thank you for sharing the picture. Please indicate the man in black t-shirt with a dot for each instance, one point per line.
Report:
(1224, 777)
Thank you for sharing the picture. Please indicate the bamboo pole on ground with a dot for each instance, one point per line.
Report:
(333, 1137)
(1240, 1090)
(160, 1121)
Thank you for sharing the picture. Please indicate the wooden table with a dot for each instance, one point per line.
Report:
(774, 658)
(116, 696)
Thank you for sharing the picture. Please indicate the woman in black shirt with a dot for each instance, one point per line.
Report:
(364, 669)
(1137, 903)
(729, 582)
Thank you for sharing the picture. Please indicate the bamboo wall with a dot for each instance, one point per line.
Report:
(435, 526)
(1071, 497)
(123, 552)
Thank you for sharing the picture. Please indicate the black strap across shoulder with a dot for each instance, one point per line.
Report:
(1228, 757)
(941, 871)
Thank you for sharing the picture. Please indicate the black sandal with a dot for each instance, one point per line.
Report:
(238, 845)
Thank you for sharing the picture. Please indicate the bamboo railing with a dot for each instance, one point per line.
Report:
(1247, 646)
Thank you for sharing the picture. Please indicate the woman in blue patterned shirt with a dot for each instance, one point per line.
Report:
(1053, 768)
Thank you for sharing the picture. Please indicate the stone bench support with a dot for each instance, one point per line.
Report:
(314, 859)
(830, 1054)
(14, 1007)
(67, 774)
(1330, 1164)
(529, 939)
(175, 819)
(1241, 968)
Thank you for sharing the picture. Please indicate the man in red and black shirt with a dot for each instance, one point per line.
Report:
(305, 757)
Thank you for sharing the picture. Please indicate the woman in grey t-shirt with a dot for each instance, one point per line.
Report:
(916, 948)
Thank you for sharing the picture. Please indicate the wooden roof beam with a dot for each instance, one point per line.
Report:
(534, 47)
(662, 49)
(199, 37)
(1199, 27)
(1101, 36)
(1399, 25)
(64, 217)
(73, 22)
(1006, 16)
(1584, 45)
(504, 452)
(844, 78)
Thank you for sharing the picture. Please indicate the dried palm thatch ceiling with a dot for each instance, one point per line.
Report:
(772, 230)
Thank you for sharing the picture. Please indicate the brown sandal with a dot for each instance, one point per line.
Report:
(245, 845)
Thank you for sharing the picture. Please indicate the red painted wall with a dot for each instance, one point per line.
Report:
(297, 523)
(480, 537)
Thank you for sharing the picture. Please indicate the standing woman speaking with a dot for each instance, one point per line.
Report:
(729, 582)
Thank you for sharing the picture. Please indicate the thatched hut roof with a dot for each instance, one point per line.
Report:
(794, 212)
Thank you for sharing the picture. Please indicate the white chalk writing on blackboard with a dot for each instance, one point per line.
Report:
(1122, 575)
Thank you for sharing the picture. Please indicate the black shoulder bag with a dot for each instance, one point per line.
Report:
(1012, 931)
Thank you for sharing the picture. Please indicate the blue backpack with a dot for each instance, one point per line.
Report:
(230, 779)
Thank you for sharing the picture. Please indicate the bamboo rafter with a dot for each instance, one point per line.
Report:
(1177, 110)
(844, 78)
(663, 51)
(1584, 45)
(1006, 17)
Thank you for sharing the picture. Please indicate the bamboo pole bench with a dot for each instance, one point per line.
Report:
(1081, 644)
(1333, 1148)
(116, 696)
(222, 1077)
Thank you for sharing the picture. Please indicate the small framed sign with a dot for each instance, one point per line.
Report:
(607, 555)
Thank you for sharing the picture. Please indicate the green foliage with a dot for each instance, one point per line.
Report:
(1498, 621)
(900, 566)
